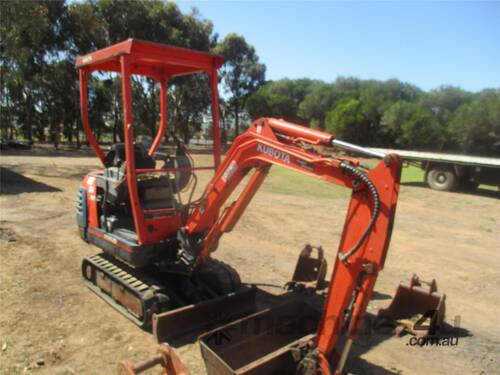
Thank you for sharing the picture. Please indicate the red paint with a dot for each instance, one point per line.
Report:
(160, 62)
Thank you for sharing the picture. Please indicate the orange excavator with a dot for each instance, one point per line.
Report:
(155, 265)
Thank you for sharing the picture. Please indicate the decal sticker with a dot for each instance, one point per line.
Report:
(274, 153)
(228, 173)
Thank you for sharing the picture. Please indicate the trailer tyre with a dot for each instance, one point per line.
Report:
(441, 178)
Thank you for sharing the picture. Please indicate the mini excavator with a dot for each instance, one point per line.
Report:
(156, 245)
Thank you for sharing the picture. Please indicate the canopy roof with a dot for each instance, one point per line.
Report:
(154, 60)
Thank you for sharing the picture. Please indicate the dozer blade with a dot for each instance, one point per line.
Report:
(415, 309)
(192, 320)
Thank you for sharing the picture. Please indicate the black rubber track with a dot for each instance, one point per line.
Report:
(219, 276)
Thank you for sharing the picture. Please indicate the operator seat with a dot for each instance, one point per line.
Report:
(154, 191)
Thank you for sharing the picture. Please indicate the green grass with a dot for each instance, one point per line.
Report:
(412, 173)
(287, 182)
(284, 181)
(488, 187)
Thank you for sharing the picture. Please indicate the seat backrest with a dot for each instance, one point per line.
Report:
(116, 156)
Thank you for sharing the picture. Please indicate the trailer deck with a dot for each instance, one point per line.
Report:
(441, 157)
(451, 171)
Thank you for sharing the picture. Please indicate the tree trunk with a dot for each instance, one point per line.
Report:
(77, 135)
(56, 136)
(41, 134)
(11, 122)
(28, 133)
(11, 130)
(67, 125)
(236, 120)
(224, 134)
(115, 126)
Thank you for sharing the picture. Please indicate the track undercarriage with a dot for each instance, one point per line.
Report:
(139, 294)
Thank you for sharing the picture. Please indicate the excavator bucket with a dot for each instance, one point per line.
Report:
(266, 342)
(189, 321)
(310, 271)
(415, 308)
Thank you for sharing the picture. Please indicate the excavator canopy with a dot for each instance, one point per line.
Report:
(161, 63)
(154, 60)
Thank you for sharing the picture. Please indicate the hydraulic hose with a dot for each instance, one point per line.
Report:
(344, 257)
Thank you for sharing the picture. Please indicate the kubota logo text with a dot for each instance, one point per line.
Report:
(272, 152)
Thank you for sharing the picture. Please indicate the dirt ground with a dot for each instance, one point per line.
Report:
(50, 323)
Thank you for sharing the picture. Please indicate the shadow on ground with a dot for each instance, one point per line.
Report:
(38, 151)
(380, 296)
(371, 335)
(12, 183)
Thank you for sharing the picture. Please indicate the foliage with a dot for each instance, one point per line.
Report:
(410, 125)
(387, 113)
(347, 122)
(242, 72)
(39, 89)
(317, 102)
(476, 124)
(39, 85)
(279, 99)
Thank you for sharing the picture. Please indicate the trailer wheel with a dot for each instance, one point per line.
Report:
(441, 178)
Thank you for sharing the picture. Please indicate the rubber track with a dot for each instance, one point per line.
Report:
(227, 277)
(128, 278)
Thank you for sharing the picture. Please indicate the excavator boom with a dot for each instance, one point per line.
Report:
(368, 226)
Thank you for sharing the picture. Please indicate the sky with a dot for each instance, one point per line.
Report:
(425, 43)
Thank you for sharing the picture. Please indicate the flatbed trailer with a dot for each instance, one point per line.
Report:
(450, 171)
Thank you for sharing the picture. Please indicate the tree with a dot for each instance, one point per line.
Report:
(241, 73)
(347, 122)
(347, 87)
(40, 43)
(188, 101)
(410, 125)
(476, 125)
(445, 100)
(377, 96)
(316, 104)
(279, 99)
(29, 36)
